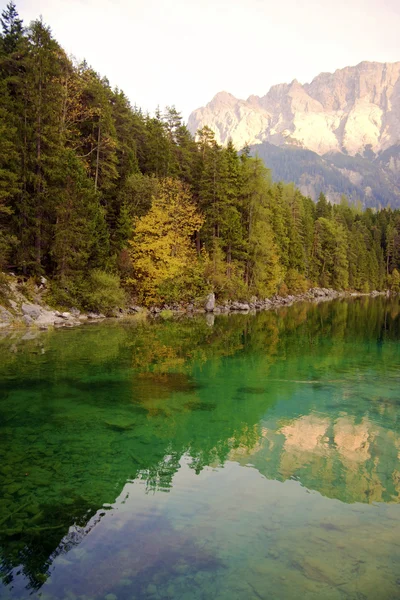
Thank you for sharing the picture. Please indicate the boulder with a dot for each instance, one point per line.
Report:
(31, 310)
(27, 320)
(47, 318)
(210, 303)
(66, 315)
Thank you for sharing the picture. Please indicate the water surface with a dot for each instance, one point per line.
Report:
(239, 457)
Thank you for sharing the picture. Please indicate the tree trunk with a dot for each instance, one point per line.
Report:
(96, 179)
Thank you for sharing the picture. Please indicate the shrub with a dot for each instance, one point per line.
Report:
(100, 291)
(104, 292)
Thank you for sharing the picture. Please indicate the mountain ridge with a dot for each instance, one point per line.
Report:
(347, 110)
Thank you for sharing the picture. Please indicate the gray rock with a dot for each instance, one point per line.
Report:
(47, 318)
(240, 306)
(13, 304)
(210, 303)
(133, 308)
(5, 315)
(27, 320)
(66, 315)
(32, 310)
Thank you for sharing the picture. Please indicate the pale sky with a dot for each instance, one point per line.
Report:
(182, 52)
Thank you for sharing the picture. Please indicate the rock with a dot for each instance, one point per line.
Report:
(13, 304)
(190, 307)
(5, 315)
(32, 310)
(43, 280)
(75, 312)
(47, 318)
(66, 315)
(210, 303)
(27, 320)
(239, 306)
(110, 597)
(133, 309)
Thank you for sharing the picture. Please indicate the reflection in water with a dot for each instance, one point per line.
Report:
(275, 439)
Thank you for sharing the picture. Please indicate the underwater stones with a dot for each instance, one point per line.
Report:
(151, 590)
(318, 570)
(110, 597)
(251, 390)
(181, 568)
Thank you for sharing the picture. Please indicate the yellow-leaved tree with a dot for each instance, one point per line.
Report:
(164, 259)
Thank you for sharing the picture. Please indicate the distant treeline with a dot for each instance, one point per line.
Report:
(94, 193)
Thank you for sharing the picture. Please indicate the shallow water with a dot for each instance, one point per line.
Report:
(238, 457)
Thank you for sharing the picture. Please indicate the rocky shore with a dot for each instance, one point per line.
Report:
(19, 311)
(256, 304)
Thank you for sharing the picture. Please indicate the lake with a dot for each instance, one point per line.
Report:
(236, 457)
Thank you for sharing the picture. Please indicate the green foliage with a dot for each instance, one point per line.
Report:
(394, 282)
(296, 282)
(98, 291)
(104, 292)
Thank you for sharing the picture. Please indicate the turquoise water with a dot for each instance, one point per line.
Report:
(240, 457)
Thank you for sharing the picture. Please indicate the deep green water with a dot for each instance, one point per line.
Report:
(245, 458)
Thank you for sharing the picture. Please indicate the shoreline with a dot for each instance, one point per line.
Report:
(21, 313)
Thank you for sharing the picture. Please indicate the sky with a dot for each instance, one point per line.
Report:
(182, 52)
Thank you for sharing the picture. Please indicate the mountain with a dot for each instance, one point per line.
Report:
(373, 181)
(338, 134)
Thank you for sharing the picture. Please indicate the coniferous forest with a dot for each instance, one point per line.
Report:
(107, 201)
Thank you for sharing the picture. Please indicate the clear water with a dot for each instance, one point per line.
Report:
(236, 458)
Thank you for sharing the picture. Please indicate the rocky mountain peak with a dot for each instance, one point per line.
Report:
(345, 111)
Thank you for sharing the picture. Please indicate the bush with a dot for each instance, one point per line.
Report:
(100, 291)
(104, 292)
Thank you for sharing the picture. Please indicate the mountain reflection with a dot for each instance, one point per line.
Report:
(309, 394)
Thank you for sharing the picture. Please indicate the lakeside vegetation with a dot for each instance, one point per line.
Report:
(107, 201)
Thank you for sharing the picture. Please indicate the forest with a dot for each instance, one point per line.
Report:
(110, 203)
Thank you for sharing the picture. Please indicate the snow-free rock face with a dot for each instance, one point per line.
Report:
(351, 110)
